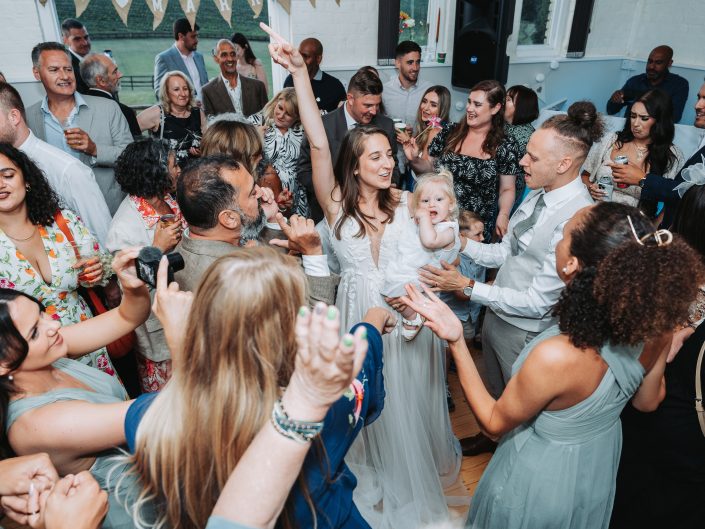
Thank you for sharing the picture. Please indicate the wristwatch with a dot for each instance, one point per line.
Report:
(642, 182)
(467, 291)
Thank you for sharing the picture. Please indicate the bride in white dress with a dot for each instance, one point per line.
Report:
(405, 459)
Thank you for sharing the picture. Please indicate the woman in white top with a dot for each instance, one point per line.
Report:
(148, 216)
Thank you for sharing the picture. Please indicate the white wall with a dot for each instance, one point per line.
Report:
(26, 23)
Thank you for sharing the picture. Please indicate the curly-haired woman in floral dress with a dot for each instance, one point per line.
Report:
(35, 255)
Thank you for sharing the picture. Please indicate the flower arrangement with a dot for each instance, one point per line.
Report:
(405, 21)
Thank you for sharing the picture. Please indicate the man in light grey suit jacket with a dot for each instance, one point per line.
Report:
(230, 92)
(89, 128)
(182, 56)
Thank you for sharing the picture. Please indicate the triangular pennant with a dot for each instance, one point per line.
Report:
(81, 6)
(226, 9)
(190, 8)
(313, 2)
(158, 8)
(43, 2)
(256, 6)
(286, 4)
(337, 2)
(123, 9)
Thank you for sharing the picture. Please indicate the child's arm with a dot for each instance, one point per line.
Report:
(430, 238)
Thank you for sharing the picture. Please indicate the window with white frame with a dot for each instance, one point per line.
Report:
(543, 26)
(429, 23)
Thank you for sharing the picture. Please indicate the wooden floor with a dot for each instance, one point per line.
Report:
(465, 425)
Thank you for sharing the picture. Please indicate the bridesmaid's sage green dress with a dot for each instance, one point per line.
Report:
(106, 390)
(558, 470)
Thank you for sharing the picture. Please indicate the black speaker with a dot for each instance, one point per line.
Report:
(480, 43)
(580, 28)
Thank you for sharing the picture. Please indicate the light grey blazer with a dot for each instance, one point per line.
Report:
(170, 60)
(102, 119)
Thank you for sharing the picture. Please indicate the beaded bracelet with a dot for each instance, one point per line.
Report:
(300, 431)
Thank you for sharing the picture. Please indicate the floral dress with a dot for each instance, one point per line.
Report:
(60, 297)
(476, 181)
(283, 151)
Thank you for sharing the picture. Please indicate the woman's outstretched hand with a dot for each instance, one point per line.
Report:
(282, 52)
(326, 364)
(439, 318)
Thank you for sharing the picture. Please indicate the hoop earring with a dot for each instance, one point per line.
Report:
(27, 188)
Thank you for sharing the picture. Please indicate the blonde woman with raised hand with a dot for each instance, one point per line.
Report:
(243, 343)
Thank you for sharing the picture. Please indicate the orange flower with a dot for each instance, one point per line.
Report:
(62, 295)
(52, 253)
(83, 317)
(29, 272)
(51, 309)
(59, 237)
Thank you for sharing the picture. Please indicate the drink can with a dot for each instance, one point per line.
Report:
(623, 160)
(604, 183)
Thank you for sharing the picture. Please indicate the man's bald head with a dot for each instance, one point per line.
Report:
(660, 60)
(312, 52)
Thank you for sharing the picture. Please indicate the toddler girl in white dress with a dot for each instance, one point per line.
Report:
(434, 237)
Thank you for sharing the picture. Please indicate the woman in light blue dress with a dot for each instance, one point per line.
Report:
(54, 404)
(558, 418)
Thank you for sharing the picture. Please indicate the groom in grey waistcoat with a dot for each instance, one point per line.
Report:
(527, 285)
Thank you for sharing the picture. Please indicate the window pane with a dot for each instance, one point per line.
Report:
(535, 17)
(412, 21)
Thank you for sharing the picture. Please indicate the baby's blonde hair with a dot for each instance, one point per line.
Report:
(444, 177)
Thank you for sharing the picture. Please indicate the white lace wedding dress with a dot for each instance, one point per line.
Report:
(405, 459)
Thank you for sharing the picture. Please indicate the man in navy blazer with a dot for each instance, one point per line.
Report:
(182, 56)
(657, 188)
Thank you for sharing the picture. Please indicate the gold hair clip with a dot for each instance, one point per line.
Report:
(662, 237)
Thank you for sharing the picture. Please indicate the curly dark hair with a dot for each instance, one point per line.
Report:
(625, 291)
(142, 169)
(42, 202)
(689, 219)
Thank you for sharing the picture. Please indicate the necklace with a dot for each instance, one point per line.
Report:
(34, 230)
(640, 151)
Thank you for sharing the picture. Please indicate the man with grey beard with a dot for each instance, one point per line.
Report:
(224, 207)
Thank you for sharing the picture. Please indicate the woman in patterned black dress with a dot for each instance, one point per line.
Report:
(282, 133)
(483, 160)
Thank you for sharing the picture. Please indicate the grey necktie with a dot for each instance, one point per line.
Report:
(525, 225)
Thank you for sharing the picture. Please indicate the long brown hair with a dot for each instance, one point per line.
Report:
(443, 111)
(495, 95)
(347, 165)
(223, 386)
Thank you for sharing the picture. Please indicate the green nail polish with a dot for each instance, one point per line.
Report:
(347, 340)
(303, 311)
(332, 313)
(363, 334)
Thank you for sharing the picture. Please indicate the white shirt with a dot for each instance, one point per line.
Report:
(539, 298)
(349, 120)
(234, 93)
(73, 181)
(192, 70)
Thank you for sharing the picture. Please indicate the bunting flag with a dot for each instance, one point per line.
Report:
(226, 9)
(190, 8)
(158, 8)
(123, 9)
(256, 6)
(81, 6)
(43, 2)
(313, 2)
(337, 2)
(286, 4)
